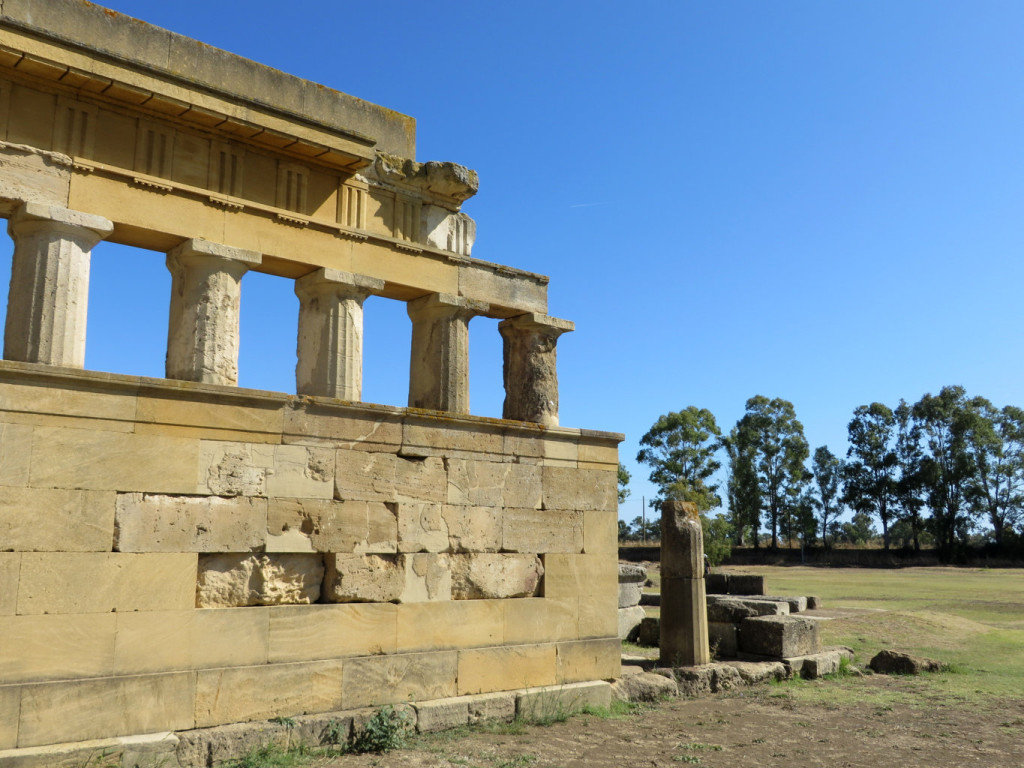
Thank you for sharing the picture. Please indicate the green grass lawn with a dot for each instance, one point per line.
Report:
(970, 618)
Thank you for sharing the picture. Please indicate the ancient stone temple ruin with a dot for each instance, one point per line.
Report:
(180, 553)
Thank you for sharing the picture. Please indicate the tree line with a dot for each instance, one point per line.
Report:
(932, 473)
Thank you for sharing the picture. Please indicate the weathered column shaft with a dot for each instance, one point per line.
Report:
(439, 362)
(684, 612)
(202, 335)
(48, 301)
(330, 344)
(531, 376)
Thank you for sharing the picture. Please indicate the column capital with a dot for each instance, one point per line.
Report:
(95, 228)
(537, 322)
(196, 252)
(344, 285)
(437, 305)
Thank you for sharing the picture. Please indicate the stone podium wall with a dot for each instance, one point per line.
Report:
(179, 555)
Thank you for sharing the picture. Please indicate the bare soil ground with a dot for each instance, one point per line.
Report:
(754, 727)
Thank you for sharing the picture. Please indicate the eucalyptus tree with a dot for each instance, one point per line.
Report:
(680, 449)
(623, 478)
(947, 467)
(870, 472)
(995, 441)
(909, 494)
(827, 471)
(779, 450)
(742, 490)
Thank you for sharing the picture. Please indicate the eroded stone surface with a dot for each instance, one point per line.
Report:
(146, 522)
(231, 580)
(364, 578)
(486, 576)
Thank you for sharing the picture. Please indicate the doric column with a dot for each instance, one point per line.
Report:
(531, 376)
(439, 363)
(684, 611)
(330, 348)
(49, 296)
(202, 335)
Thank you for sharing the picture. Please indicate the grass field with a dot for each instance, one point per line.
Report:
(971, 619)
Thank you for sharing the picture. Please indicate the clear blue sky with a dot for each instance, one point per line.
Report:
(820, 201)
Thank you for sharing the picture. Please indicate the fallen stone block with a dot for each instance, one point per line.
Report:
(629, 595)
(756, 672)
(629, 619)
(813, 603)
(896, 663)
(649, 633)
(644, 686)
(650, 598)
(779, 637)
(724, 608)
(722, 637)
(816, 665)
(746, 584)
(796, 604)
(631, 573)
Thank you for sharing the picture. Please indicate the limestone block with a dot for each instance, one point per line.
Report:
(600, 532)
(542, 531)
(736, 609)
(546, 619)
(161, 523)
(494, 707)
(262, 417)
(428, 578)
(376, 680)
(10, 707)
(234, 469)
(599, 454)
(90, 582)
(363, 578)
(455, 624)
(813, 603)
(15, 452)
(482, 670)
(494, 484)
(364, 428)
(779, 637)
(746, 584)
(554, 447)
(102, 398)
(632, 573)
(219, 744)
(722, 638)
(100, 707)
(588, 660)
(421, 527)
(629, 619)
(684, 623)
(576, 575)
(157, 641)
(473, 529)
(427, 435)
(717, 583)
(682, 542)
(364, 475)
(754, 673)
(47, 308)
(306, 633)
(583, 489)
(320, 525)
(269, 690)
(598, 615)
(94, 460)
(10, 573)
(816, 665)
(55, 520)
(301, 471)
(645, 687)
(796, 604)
(441, 715)
(202, 338)
(569, 697)
(63, 646)
(482, 576)
(889, 662)
(233, 579)
(27, 173)
(420, 478)
(629, 595)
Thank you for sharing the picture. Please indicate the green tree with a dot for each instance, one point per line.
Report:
(624, 532)
(779, 451)
(646, 530)
(624, 478)
(742, 490)
(827, 470)
(995, 440)
(717, 537)
(947, 467)
(859, 530)
(870, 471)
(680, 450)
(909, 492)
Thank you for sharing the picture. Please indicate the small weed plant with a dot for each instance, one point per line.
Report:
(387, 730)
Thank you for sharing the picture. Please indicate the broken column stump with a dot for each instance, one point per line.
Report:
(684, 617)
